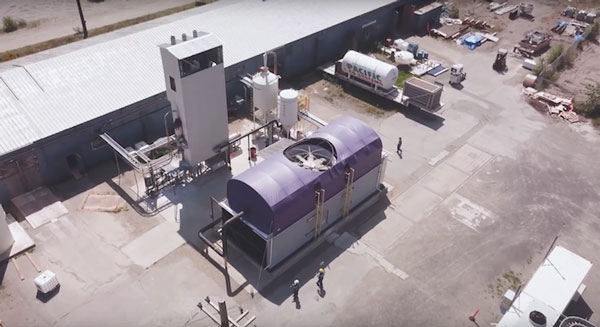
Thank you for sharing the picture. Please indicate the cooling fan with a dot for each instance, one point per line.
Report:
(313, 154)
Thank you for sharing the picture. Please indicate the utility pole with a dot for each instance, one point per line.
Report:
(85, 33)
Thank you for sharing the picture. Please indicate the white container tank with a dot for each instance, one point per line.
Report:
(265, 86)
(6, 239)
(370, 69)
(404, 58)
(400, 44)
(288, 108)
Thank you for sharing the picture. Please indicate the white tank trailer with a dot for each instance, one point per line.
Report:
(288, 108)
(6, 239)
(370, 70)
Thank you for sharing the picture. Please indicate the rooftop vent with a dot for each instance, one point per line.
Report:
(183, 37)
(173, 41)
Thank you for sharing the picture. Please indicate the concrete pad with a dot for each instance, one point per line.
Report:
(386, 231)
(417, 202)
(468, 213)
(22, 241)
(438, 158)
(154, 244)
(103, 202)
(443, 179)
(349, 243)
(38, 207)
(468, 159)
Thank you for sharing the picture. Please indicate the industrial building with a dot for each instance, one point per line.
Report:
(54, 105)
(290, 198)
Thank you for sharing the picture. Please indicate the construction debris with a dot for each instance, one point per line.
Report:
(534, 43)
(506, 9)
(493, 6)
(580, 15)
(477, 23)
(555, 106)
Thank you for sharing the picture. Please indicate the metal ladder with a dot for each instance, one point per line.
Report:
(349, 176)
(320, 199)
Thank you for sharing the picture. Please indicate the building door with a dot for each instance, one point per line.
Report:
(21, 174)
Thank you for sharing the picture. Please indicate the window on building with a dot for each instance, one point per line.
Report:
(201, 61)
(172, 81)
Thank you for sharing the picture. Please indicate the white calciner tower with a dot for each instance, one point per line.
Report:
(195, 82)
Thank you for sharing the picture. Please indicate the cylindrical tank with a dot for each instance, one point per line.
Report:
(529, 80)
(400, 44)
(6, 239)
(370, 69)
(265, 86)
(404, 58)
(288, 108)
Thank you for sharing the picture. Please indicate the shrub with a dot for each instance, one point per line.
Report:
(21, 23)
(453, 12)
(593, 35)
(590, 107)
(555, 52)
(9, 24)
(540, 66)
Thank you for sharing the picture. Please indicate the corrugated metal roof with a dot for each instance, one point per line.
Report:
(64, 91)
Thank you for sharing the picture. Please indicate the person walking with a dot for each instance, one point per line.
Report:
(320, 275)
(399, 146)
(295, 288)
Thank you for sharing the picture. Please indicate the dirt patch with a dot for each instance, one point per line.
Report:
(508, 280)
(350, 98)
(584, 71)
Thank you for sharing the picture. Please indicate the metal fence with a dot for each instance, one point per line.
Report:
(545, 76)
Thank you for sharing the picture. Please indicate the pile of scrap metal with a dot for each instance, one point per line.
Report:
(477, 23)
(556, 106)
(572, 28)
(533, 44)
(450, 30)
(524, 9)
(493, 6)
(580, 15)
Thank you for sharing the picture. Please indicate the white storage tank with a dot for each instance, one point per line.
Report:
(400, 44)
(265, 86)
(404, 58)
(6, 239)
(370, 69)
(288, 108)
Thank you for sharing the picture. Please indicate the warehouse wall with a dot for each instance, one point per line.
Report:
(143, 121)
(304, 55)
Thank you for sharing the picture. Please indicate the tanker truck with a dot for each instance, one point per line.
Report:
(380, 78)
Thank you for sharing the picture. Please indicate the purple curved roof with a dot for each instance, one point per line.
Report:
(277, 192)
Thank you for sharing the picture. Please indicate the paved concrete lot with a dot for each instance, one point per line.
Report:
(474, 205)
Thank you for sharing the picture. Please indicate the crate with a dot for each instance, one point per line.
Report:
(46, 281)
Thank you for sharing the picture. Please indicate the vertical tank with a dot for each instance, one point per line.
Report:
(265, 86)
(288, 108)
(6, 239)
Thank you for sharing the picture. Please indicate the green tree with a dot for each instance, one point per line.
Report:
(590, 107)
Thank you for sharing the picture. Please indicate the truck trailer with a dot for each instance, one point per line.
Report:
(379, 77)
